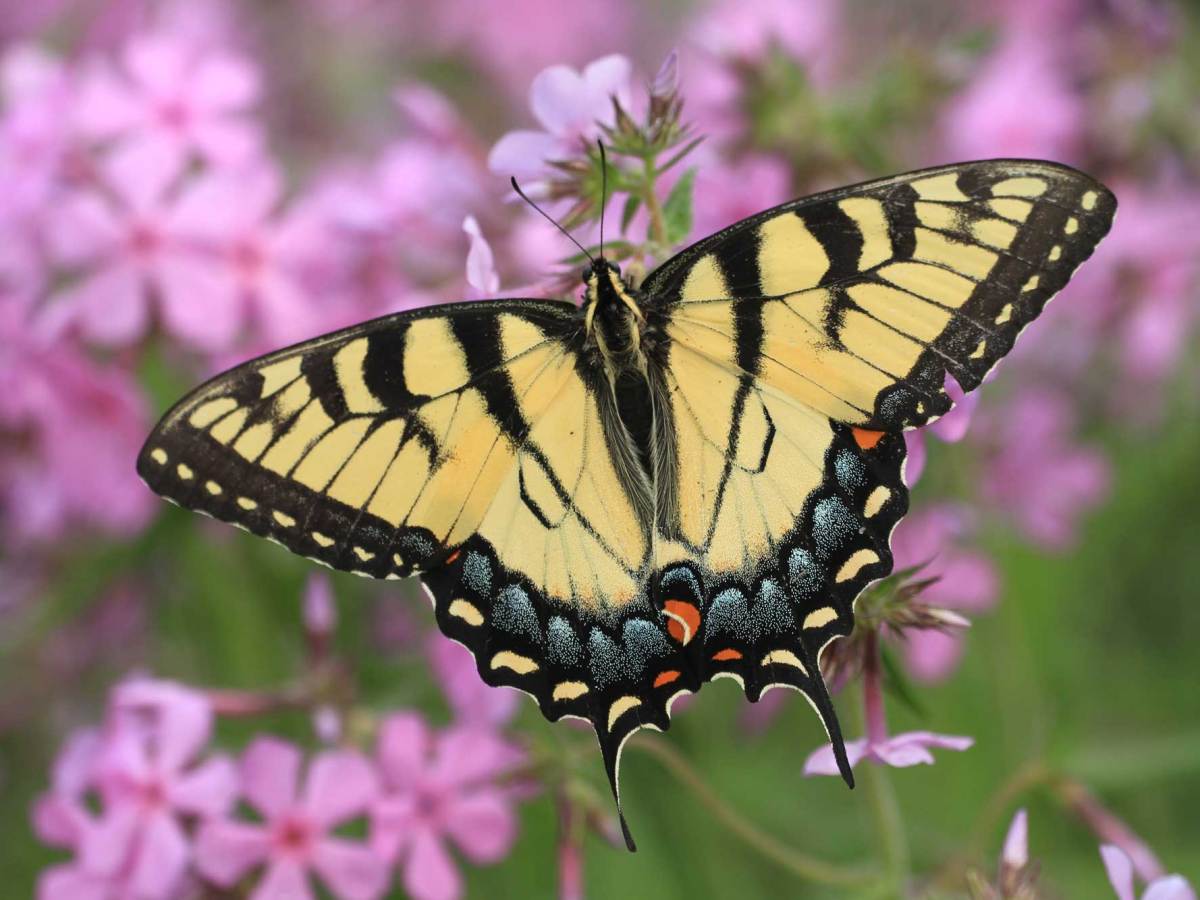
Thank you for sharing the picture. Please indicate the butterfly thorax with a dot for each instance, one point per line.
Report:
(614, 319)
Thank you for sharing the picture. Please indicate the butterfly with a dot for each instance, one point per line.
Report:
(611, 504)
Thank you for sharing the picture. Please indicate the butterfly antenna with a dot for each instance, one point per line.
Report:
(603, 191)
(520, 193)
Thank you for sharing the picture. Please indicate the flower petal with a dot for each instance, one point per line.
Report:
(109, 306)
(1170, 887)
(524, 153)
(429, 872)
(403, 750)
(912, 748)
(182, 718)
(110, 842)
(208, 790)
(481, 263)
(226, 850)
(1016, 843)
(823, 762)
(285, 880)
(351, 871)
(225, 83)
(198, 305)
(270, 774)
(1120, 871)
(59, 820)
(558, 97)
(162, 856)
(72, 882)
(914, 462)
(341, 784)
(471, 754)
(483, 825)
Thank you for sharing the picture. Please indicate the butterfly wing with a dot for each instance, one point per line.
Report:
(386, 448)
(802, 342)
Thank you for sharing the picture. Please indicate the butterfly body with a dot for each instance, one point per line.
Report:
(615, 503)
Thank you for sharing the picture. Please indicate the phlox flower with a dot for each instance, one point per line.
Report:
(146, 777)
(74, 426)
(936, 539)
(730, 191)
(1120, 875)
(471, 700)
(34, 137)
(481, 263)
(295, 838)
(899, 750)
(124, 239)
(255, 253)
(440, 787)
(993, 117)
(174, 97)
(1036, 472)
(741, 31)
(141, 767)
(570, 106)
(486, 31)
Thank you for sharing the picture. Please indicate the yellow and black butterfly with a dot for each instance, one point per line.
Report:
(612, 504)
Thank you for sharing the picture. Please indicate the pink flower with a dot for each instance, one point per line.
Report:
(319, 607)
(75, 426)
(1120, 876)
(441, 787)
(743, 32)
(256, 255)
(34, 137)
(935, 538)
(729, 191)
(1015, 854)
(1037, 473)
(481, 263)
(145, 775)
(173, 97)
(485, 31)
(900, 750)
(295, 835)
(993, 115)
(570, 106)
(141, 768)
(130, 248)
(472, 701)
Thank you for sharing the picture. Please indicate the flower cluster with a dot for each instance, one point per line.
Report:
(149, 808)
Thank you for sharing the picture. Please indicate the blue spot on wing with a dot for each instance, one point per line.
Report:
(564, 649)
(513, 612)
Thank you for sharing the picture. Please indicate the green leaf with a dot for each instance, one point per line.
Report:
(677, 211)
(632, 203)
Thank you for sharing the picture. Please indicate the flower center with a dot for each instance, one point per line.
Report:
(248, 257)
(294, 834)
(144, 239)
(174, 114)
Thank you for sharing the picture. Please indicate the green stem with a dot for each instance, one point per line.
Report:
(885, 808)
(658, 225)
(806, 867)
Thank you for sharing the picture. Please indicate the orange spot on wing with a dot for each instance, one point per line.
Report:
(867, 439)
(453, 556)
(727, 654)
(683, 620)
(666, 677)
